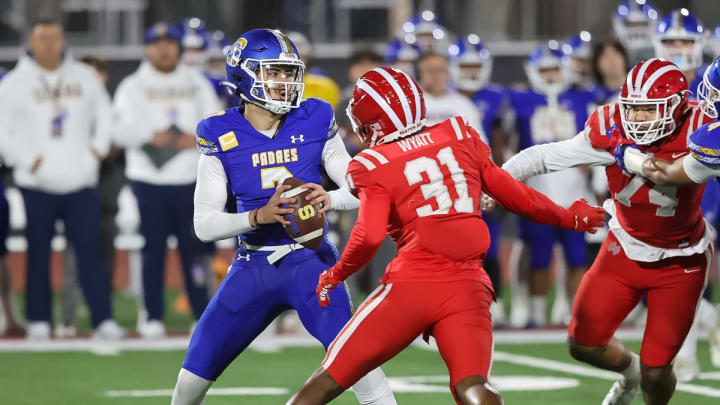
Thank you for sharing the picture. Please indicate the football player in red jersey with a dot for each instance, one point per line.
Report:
(658, 244)
(423, 185)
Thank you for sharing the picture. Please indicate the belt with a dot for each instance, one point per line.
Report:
(278, 252)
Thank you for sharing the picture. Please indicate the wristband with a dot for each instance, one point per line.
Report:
(634, 160)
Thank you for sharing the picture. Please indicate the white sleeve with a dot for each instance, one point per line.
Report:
(103, 118)
(555, 156)
(130, 126)
(698, 172)
(336, 159)
(210, 219)
(13, 144)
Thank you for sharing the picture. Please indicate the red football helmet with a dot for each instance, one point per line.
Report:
(386, 104)
(654, 82)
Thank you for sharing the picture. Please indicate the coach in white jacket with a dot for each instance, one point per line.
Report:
(54, 127)
(156, 110)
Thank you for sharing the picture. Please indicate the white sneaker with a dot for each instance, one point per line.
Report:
(686, 368)
(152, 329)
(38, 331)
(65, 331)
(519, 314)
(109, 330)
(560, 313)
(622, 392)
(497, 312)
(714, 342)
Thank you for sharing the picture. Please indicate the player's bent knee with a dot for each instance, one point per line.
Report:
(656, 375)
(475, 390)
(581, 352)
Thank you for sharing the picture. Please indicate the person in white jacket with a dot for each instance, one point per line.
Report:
(156, 110)
(54, 120)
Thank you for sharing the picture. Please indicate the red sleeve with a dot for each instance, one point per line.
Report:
(367, 234)
(518, 197)
(371, 225)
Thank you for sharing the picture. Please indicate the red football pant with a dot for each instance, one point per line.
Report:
(615, 284)
(456, 313)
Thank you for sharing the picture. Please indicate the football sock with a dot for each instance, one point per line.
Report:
(632, 372)
(190, 389)
(374, 389)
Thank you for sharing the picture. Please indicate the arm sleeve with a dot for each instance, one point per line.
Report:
(555, 156)
(103, 119)
(336, 159)
(522, 199)
(698, 172)
(14, 151)
(516, 196)
(368, 233)
(210, 220)
(130, 127)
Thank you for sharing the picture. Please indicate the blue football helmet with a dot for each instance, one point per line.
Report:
(715, 41)
(217, 52)
(634, 23)
(424, 32)
(195, 41)
(579, 49)
(544, 58)
(470, 63)
(708, 91)
(683, 26)
(262, 62)
(401, 55)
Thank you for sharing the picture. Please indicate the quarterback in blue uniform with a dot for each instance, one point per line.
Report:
(273, 135)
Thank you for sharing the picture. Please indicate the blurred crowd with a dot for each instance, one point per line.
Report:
(105, 167)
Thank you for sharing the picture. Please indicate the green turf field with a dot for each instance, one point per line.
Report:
(531, 373)
(85, 378)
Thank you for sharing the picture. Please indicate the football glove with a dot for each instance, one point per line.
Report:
(326, 283)
(586, 218)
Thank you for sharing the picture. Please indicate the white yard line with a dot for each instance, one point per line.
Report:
(234, 391)
(266, 342)
(575, 369)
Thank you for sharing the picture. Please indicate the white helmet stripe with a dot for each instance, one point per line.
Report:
(382, 103)
(641, 73)
(416, 94)
(628, 81)
(398, 91)
(656, 75)
(281, 41)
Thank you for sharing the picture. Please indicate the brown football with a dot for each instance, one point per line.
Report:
(307, 224)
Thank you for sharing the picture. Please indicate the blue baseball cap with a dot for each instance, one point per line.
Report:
(162, 30)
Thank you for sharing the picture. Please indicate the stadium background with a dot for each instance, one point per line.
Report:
(79, 372)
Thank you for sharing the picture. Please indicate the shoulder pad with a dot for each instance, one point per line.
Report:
(600, 125)
(704, 144)
(359, 171)
(321, 116)
(207, 132)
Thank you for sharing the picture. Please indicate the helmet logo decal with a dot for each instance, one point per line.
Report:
(233, 57)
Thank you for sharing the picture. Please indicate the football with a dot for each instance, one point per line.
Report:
(307, 224)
